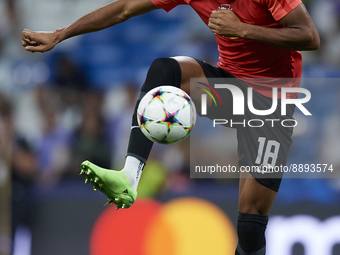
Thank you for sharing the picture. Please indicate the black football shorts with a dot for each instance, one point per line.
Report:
(263, 141)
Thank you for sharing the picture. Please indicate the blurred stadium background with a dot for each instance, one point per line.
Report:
(75, 102)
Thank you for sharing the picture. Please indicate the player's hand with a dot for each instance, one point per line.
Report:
(39, 41)
(225, 23)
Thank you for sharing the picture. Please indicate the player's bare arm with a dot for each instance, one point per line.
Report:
(104, 17)
(299, 32)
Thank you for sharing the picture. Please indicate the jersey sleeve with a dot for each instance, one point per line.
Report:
(167, 5)
(280, 8)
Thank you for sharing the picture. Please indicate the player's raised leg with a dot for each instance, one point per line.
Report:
(121, 186)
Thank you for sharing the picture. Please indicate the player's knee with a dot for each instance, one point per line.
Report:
(251, 209)
(251, 234)
(163, 71)
(162, 65)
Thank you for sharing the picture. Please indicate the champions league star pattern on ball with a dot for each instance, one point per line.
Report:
(166, 114)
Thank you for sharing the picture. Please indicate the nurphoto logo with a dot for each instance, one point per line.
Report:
(239, 104)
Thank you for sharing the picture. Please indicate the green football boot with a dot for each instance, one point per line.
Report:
(114, 184)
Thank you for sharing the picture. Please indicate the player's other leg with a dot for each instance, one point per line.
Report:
(121, 186)
(259, 147)
(255, 201)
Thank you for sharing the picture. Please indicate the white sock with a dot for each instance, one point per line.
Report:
(133, 169)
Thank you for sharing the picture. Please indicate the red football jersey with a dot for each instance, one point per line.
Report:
(246, 58)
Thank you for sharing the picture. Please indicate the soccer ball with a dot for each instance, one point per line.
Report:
(166, 114)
